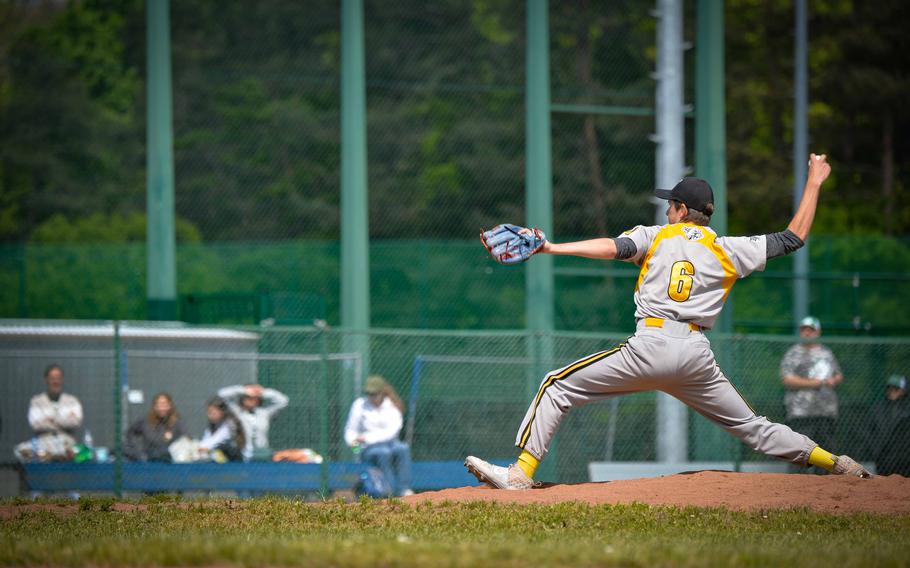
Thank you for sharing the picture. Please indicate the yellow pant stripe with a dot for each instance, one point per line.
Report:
(561, 375)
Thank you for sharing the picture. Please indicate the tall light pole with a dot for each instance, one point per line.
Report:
(672, 418)
(800, 154)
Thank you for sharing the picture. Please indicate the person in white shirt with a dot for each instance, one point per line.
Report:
(373, 426)
(255, 406)
(54, 417)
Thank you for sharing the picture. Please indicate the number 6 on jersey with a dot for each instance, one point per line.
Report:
(681, 280)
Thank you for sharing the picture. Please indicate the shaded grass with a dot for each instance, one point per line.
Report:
(273, 531)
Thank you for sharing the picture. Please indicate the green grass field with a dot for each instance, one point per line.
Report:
(272, 531)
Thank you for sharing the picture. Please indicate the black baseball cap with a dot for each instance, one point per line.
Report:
(694, 192)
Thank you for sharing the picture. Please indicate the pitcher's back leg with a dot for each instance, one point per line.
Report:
(714, 397)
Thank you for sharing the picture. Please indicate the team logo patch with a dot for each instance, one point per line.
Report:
(693, 233)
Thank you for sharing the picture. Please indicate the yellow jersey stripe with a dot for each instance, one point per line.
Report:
(667, 232)
(708, 241)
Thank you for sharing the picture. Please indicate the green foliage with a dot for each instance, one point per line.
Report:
(256, 122)
(282, 532)
(414, 284)
(100, 228)
(855, 74)
(257, 112)
(70, 123)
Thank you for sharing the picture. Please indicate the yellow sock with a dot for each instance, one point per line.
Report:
(528, 464)
(821, 458)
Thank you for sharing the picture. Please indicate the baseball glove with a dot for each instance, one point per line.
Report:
(511, 244)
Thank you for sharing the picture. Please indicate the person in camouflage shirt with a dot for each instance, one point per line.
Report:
(811, 373)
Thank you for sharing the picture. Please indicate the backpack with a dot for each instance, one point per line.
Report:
(373, 483)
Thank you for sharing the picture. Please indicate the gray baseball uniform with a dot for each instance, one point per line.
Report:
(687, 272)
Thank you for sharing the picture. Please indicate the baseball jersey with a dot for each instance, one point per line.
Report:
(687, 271)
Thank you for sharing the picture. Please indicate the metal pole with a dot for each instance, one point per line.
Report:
(710, 164)
(672, 419)
(710, 108)
(538, 169)
(355, 235)
(160, 238)
(23, 281)
(324, 414)
(539, 196)
(800, 155)
(118, 412)
(416, 371)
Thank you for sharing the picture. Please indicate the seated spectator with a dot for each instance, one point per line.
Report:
(891, 429)
(373, 426)
(223, 438)
(149, 437)
(254, 406)
(54, 417)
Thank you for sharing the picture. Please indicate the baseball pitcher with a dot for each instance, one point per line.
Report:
(687, 271)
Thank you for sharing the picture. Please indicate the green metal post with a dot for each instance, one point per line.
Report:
(355, 239)
(23, 281)
(118, 412)
(160, 237)
(711, 165)
(539, 196)
(324, 416)
(710, 107)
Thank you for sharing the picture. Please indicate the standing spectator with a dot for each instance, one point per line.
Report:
(149, 437)
(54, 417)
(254, 406)
(810, 372)
(373, 426)
(223, 439)
(891, 429)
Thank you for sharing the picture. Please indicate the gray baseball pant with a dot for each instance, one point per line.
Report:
(674, 359)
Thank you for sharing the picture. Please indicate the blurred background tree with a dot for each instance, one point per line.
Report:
(257, 114)
(257, 141)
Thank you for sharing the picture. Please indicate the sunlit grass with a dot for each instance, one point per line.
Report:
(271, 531)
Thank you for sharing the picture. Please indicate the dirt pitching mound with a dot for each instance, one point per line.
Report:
(737, 491)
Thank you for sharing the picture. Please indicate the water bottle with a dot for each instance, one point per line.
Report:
(89, 443)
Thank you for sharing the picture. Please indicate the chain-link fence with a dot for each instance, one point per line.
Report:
(464, 393)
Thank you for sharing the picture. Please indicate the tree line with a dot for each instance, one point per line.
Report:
(257, 117)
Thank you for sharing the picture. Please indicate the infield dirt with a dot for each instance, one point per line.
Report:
(735, 491)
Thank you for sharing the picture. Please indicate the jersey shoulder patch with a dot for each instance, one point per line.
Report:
(693, 233)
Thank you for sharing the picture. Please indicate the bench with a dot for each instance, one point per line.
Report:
(259, 477)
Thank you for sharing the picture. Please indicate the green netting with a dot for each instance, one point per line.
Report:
(434, 284)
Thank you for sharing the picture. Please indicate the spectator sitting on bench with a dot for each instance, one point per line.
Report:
(149, 437)
(254, 406)
(54, 417)
(223, 439)
(373, 426)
